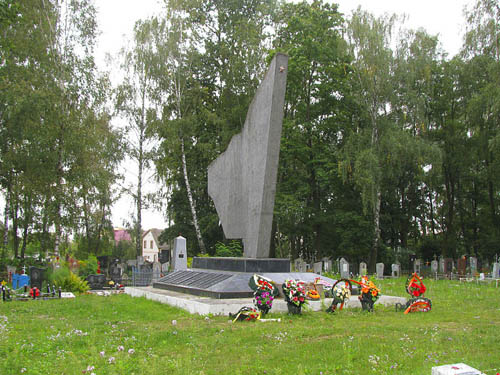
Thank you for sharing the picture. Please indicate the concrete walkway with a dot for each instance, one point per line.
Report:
(206, 306)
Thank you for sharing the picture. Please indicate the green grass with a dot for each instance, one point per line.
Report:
(67, 336)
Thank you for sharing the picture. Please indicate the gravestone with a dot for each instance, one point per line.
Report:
(242, 180)
(140, 260)
(496, 271)
(132, 263)
(434, 266)
(417, 265)
(327, 265)
(318, 267)
(165, 267)
(156, 271)
(300, 265)
(448, 266)
(164, 256)
(462, 266)
(11, 270)
(396, 270)
(363, 269)
(115, 272)
(179, 258)
(441, 264)
(473, 265)
(344, 269)
(380, 270)
(37, 277)
(96, 281)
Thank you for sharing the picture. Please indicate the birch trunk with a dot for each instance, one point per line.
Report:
(191, 201)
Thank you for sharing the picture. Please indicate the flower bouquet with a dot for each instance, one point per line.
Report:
(264, 293)
(295, 295)
(246, 314)
(369, 293)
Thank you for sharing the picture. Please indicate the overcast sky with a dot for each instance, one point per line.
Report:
(116, 20)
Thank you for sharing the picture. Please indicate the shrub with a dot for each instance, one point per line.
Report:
(88, 267)
(68, 282)
(233, 249)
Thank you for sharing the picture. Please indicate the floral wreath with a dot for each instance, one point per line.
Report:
(342, 293)
(264, 291)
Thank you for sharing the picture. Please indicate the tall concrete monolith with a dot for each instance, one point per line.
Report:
(242, 180)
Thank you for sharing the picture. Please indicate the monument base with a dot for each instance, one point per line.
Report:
(254, 265)
(225, 284)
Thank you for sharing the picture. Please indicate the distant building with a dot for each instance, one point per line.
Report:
(121, 234)
(151, 245)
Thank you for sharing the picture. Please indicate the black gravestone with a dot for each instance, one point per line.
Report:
(115, 273)
(96, 281)
(37, 277)
(164, 256)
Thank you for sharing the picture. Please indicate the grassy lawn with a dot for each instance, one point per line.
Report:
(68, 336)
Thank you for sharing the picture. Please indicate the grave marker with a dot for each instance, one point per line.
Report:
(363, 269)
(318, 267)
(473, 265)
(448, 266)
(380, 270)
(417, 265)
(179, 259)
(496, 271)
(344, 269)
(37, 277)
(434, 266)
(396, 270)
(462, 266)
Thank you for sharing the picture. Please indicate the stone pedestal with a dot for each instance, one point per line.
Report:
(179, 258)
(242, 264)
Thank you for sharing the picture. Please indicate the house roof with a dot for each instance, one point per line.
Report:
(156, 234)
(122, 234)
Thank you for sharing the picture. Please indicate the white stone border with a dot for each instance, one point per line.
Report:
(206, 306)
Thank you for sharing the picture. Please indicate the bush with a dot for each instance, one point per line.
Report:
(88, 267)
(233, 249)
(68, 282)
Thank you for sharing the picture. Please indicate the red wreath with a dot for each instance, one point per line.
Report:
(415, 287)
(35, 291)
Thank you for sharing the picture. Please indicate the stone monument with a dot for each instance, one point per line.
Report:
(473, 265)
(462, 266)
(395, 270)
(417, 266)
(363, 269)
(318, 267)
(242, 180)
(496, 271)
(179, 258)
(344, 269)
(434, 266)
(380, 270)
(242, 185)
